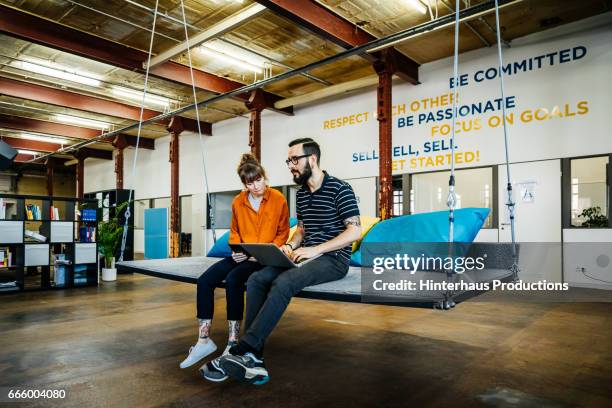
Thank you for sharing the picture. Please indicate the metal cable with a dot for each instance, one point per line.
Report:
(128, 212)
(197, 112)
(510, 200)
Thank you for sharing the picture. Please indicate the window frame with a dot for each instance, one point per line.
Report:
(566, 190)
(407, 187)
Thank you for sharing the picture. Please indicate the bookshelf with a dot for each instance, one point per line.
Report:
(107, 201)
(47, 242)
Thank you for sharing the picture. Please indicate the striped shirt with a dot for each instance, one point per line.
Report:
(323, 212)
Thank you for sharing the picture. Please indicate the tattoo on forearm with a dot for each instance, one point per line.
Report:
(353, 221)
(204, 328)
(234, 330)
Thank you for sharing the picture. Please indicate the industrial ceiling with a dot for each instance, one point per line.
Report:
(73, 69)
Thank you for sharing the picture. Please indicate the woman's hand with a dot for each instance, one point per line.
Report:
(238, 257)
(287, 250)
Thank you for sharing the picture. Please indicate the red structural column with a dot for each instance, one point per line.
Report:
(80, 175)
(256, 103)
(255, 133)
(50, 165)
(119, 167)
(175, 128)
(120, 144)
(385, 69)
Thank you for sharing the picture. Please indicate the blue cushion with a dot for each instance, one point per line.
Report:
(424, 228)
(221, 248)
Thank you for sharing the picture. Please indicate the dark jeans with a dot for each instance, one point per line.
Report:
(235, 275)
(270, 290)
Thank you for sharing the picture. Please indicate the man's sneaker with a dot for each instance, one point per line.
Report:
(246, 368)
(198, 352)
(212, 371)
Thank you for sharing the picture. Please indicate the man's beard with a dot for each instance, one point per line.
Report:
(303, 177)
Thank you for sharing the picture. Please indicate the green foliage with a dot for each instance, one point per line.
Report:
(110, 233)
(594, 218)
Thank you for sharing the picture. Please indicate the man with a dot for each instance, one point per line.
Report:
(328, 223)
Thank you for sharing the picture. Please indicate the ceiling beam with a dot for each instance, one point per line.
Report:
(123, 141)
(38, 30)
(68, 99)
(27, 144)
(330, 26)
(342, 88)
(25, 159)
(87, 152)
(49, 128)
(220, 28)
(22, 158)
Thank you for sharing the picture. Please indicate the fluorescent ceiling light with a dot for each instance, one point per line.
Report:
(229, 59)
(48, 139)
(82, 121)
(57, 72)
(28, 152)
(238, 53)
(137, 96)
(418, 5)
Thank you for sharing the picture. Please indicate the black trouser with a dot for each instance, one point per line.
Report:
(270, 290)
(235, 275)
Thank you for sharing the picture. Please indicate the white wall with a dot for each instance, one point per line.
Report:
(574, 130)
(586, 79)
(587, 257)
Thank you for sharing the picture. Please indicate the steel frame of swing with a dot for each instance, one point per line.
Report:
(449, 296)
(451, 201)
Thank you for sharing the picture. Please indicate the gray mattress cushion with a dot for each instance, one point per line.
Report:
(189, 269)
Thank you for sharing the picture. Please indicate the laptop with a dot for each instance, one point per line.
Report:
(269, 255)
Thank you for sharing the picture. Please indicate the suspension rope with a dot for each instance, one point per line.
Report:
(128, 212)
(510, 200)
(451, 200)
(197, 112)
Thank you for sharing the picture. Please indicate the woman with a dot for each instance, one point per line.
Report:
(259, 214)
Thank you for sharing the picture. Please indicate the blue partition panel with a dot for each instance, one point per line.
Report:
(156, 233)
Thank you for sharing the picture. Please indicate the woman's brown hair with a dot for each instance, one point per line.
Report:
(249, 169)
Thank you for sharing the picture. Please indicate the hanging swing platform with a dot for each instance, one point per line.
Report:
(351, 288)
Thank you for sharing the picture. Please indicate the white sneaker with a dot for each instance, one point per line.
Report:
(198, 352)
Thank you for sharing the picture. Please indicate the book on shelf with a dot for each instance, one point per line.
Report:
(59, 267)
(2, 209)
(9, 286)
(6, 257)
(35, 236)
(80, 274)
(33, 212)
(54, 213)
(87, 234)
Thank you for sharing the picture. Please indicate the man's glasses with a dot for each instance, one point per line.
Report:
(295, 159)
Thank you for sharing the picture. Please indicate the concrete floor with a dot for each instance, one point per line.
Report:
(119, 345)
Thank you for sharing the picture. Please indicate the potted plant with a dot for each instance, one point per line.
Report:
(109, 237)
(593, 218)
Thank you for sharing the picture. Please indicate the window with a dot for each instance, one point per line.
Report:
(139, 208)
(589, 192)
(220, 207)
(398, 203)
(473, 188)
